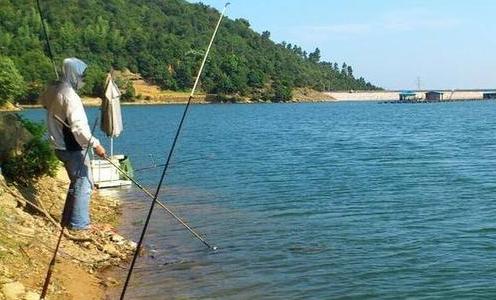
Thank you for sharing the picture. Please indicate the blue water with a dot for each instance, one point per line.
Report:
(316, 201)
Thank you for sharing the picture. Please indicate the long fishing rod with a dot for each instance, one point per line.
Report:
(45, 31)
(193, 232)
(154, 166)
(64, 221)
(171, 151)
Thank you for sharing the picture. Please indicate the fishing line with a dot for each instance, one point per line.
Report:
(154, 166)
(45, 31)
(64, 221)
(171, 151)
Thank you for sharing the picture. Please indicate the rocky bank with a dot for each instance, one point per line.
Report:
(29, 227)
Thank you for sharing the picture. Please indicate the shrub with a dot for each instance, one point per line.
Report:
(36, 158)
(129, 93)
(127, 89)
(282, 93)
(94, 81)
(12, 85)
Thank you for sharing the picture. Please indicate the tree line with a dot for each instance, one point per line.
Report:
(164, 42)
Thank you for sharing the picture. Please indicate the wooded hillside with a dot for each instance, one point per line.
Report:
(164, 41)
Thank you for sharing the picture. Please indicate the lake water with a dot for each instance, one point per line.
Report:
(316, 201)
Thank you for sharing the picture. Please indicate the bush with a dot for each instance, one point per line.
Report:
(282, 93)
(12, 85)
(36, 158)
(127, 89)
(94, 81)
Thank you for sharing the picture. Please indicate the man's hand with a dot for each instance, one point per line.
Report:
(100, 151)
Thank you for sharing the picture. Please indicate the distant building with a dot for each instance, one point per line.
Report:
(408, 96)
(491, 95)
(434, 96)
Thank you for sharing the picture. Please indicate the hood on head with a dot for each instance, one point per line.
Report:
(73, 70)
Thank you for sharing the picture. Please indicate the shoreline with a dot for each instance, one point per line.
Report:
(301, 96)
(145, 103)
(29, 221)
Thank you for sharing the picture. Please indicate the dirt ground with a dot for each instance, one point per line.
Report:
(29, 217)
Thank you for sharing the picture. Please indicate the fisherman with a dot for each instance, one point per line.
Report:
(70, 135)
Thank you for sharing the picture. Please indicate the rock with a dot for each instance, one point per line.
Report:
(110, 282)
(13, 290)
(132, 245)
(110, 249)
(32, 296)
(117, 238)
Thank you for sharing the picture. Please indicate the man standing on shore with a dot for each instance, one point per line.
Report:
(70, 134)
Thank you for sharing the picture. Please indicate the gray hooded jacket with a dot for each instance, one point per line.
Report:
(68, 127)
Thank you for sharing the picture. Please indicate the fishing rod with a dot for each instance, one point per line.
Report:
(171, 151)
(45, 31)
(161, 205)
(64, 221)
(154, 166)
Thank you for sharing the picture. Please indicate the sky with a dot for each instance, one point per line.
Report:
(395, 44)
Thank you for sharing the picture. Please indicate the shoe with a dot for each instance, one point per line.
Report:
(101, 229)
(79, 234)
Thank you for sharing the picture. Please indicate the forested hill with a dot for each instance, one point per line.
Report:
(164, 41)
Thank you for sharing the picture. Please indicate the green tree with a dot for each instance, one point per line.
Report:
(266, 34)
(282, 92)
(344, 69)
(12, 85)
(256, 78)
(350, 71)
(94, 81)
(314, 56)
